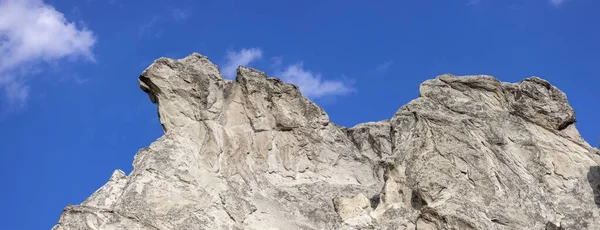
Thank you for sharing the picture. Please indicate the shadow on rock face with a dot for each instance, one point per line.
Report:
(417, 200)
(551, 226)
(375, 201)
(593, 177)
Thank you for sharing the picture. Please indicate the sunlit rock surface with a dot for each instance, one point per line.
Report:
(470, 153)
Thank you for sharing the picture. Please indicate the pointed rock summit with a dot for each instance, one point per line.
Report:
(470, 153)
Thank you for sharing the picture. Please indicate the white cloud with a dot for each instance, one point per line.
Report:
(241, 58)
(311, 84)
(32, 32)
(557, 2)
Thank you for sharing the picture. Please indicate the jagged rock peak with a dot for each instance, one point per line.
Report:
(192, 88)
(470, 152)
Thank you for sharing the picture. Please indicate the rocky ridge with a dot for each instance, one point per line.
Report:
(470, 152)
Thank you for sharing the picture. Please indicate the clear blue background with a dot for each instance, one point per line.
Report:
(71, 136)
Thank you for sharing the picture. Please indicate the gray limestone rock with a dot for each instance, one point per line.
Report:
(470, 153)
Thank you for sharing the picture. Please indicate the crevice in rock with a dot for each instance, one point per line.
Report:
(393, 139)
(500, 222)
(593, 177)
(375, 201)
(552, 226)
(440, 192)
(349, 134)
(472, 85)
(280, 127)
(137, 220)
(417, 201)
(471, 181)
(499, 180)
(83, 209)
(557, 173)
(225, 209)
(430, 216)
(566, 124)
(415, 115)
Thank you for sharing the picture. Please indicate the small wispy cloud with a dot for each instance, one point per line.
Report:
(151, 27)
(155, 26)
(239, 58)
(276, 62)
(381, 69)
(32, 32)
(557, 3)
(473, 2)
(179, 14)
(117, 3)
(17, 94)
(312, 84)
(73, 78)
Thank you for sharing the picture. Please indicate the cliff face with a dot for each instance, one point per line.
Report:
(470, 153)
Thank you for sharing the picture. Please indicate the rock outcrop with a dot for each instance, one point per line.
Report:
(470, 153)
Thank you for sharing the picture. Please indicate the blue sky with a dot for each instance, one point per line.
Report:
(71, 110)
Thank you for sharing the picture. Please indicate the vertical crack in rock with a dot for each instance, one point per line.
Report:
(471, 152)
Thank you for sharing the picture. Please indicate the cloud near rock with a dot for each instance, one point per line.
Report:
(32, 32)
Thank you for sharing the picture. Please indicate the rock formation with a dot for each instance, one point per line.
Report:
(470, 153)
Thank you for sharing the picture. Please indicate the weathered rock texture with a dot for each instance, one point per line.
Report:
(470, 153)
